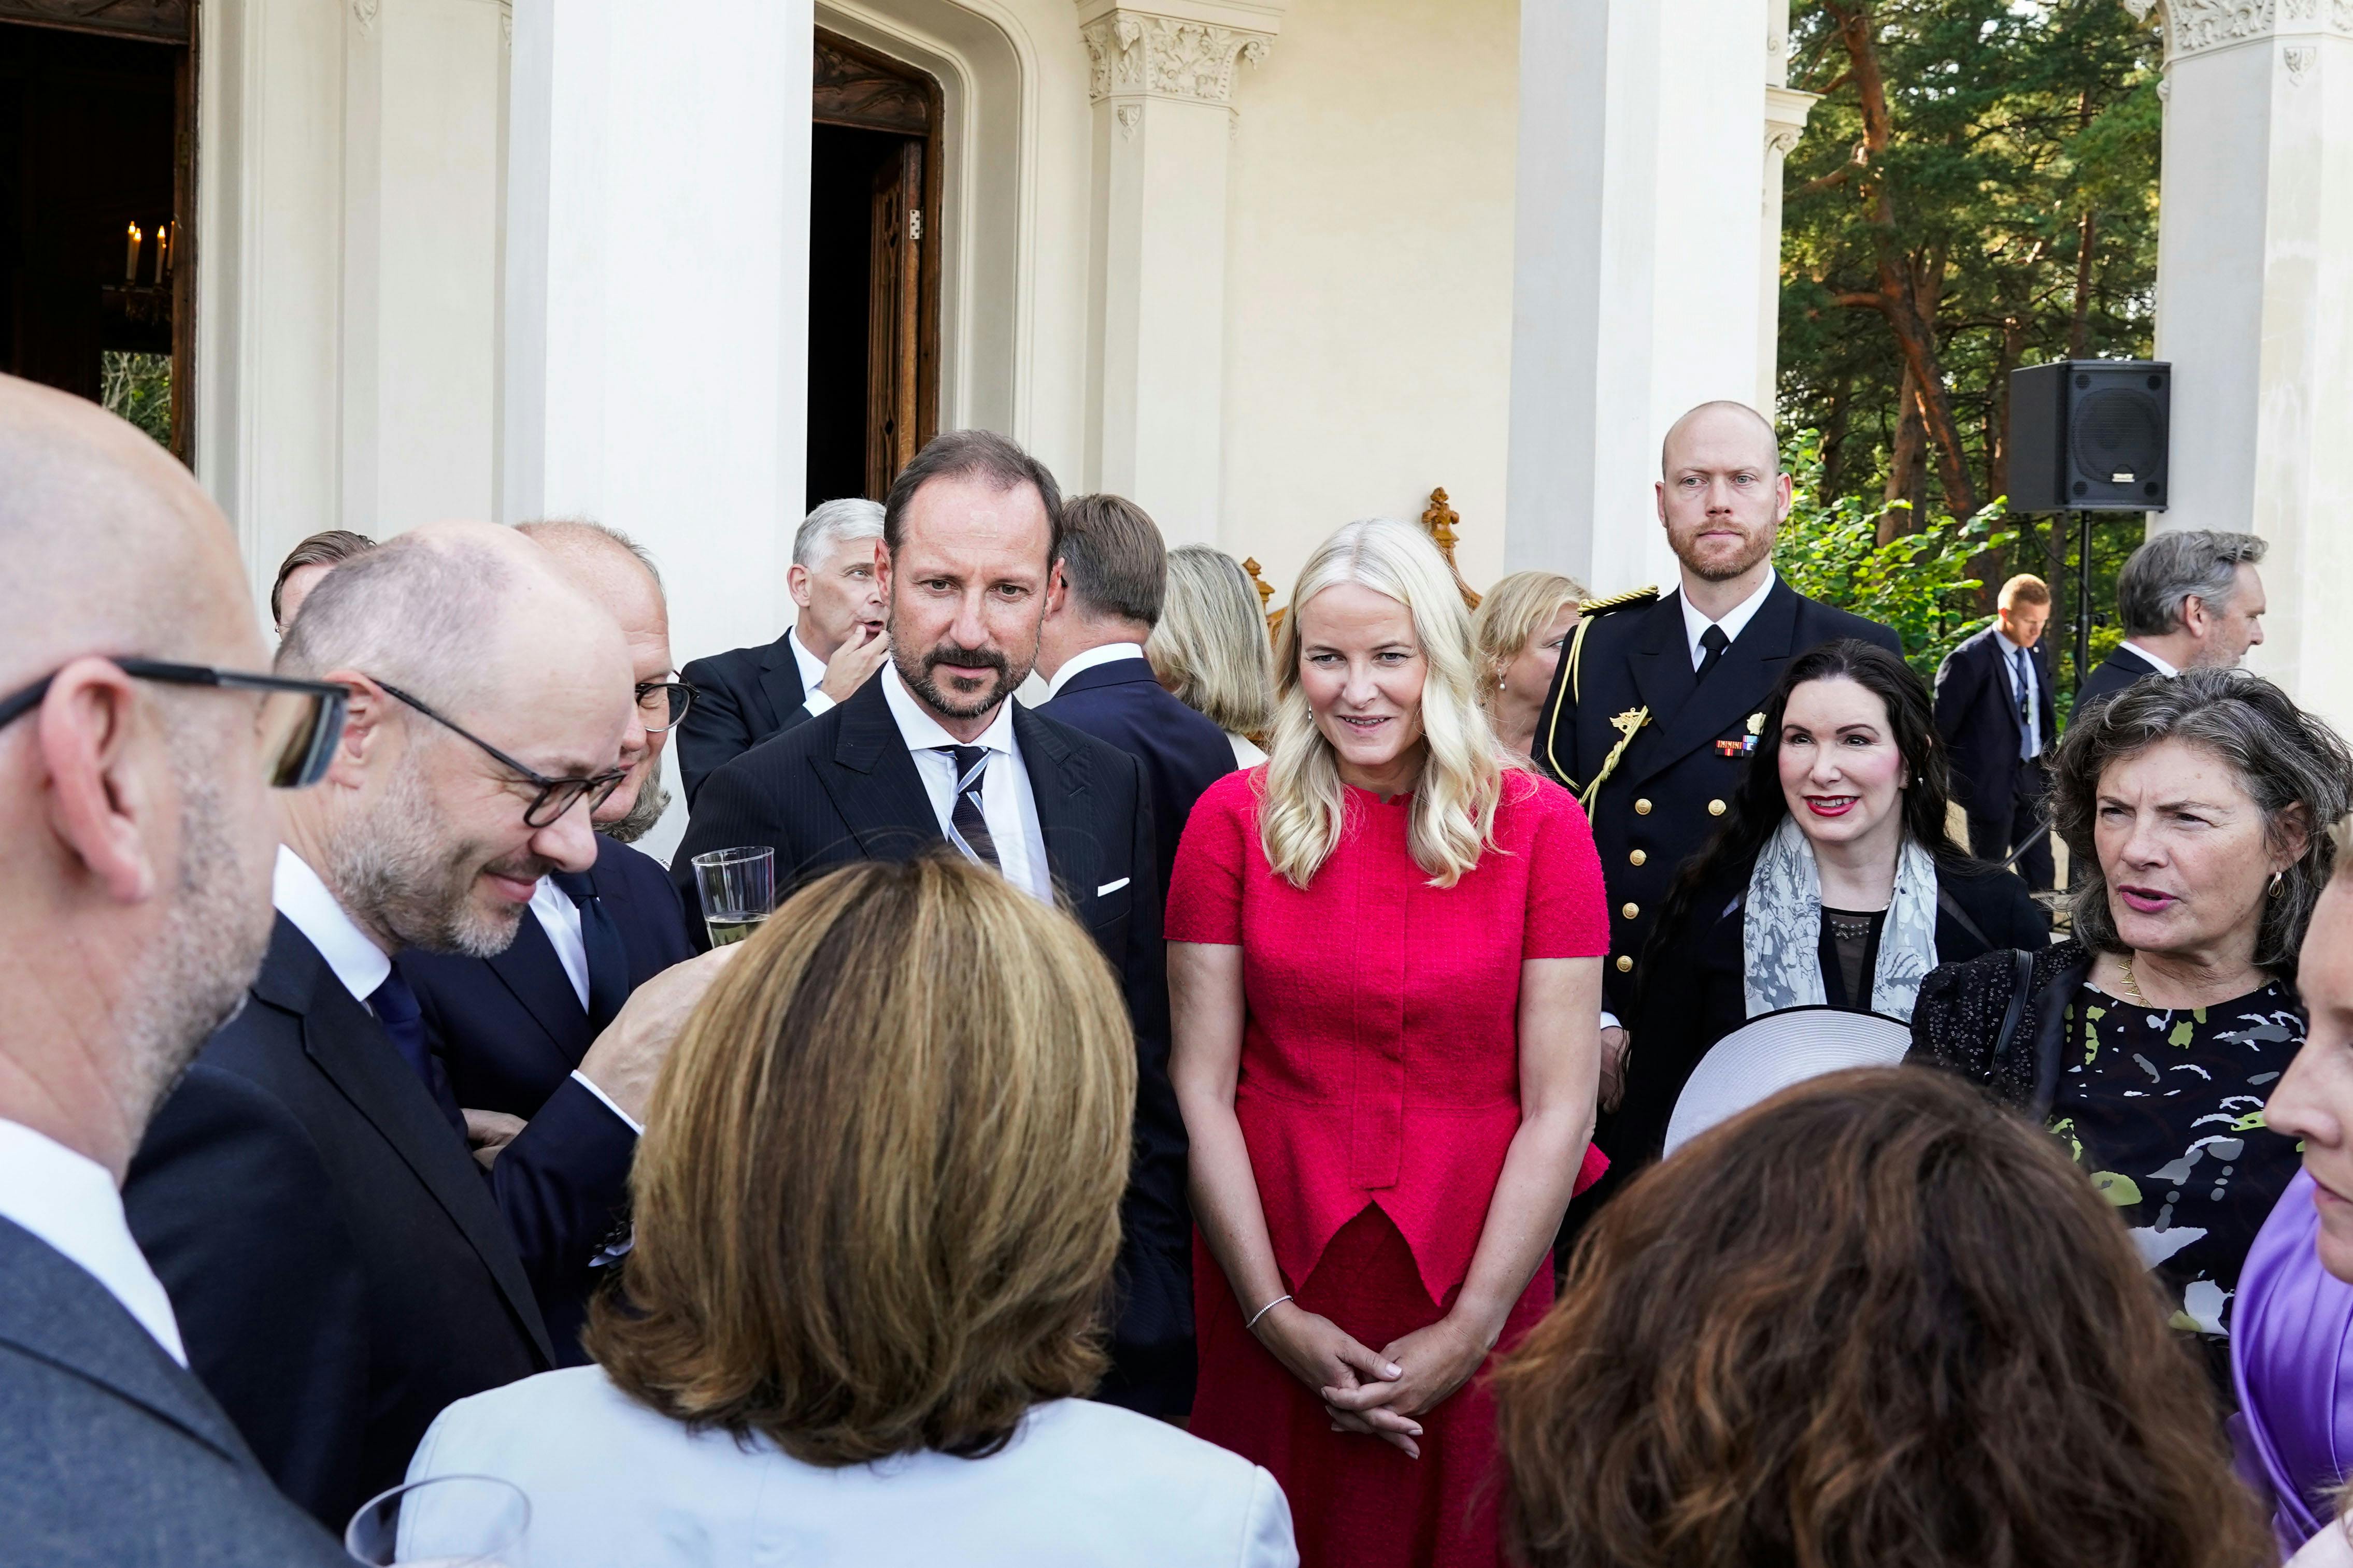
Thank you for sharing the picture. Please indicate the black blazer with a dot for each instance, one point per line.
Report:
(1668, 793)
(1697, 992)
(511, 1029)
(843, 787)
(741, 697)
(1977, 717)
(341, 1267)
(2121, 668)
(111, 1455)
(1183, 754)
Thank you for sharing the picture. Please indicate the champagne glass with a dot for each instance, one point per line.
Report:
(448, 1522)
(738, 888)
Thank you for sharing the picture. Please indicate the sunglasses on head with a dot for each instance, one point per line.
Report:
(300, 722)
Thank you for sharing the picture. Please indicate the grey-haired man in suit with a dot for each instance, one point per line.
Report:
(136, 838)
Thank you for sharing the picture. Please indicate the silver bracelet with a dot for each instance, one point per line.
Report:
(1262, 1311)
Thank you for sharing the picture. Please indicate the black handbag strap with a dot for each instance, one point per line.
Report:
(2021, 981)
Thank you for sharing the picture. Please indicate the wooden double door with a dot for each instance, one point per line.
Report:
(873, 269)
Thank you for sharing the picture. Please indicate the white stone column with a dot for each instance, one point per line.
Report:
(1635, 293)
(422, 166)
(1162, 81)
(656, 298)
(2254, 309)
(1784, 122)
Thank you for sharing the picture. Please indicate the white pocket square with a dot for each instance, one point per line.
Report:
(1110, 887)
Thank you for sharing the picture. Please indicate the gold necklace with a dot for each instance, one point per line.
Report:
(2132, 986)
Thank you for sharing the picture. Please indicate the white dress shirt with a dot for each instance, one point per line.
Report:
(559, 917)
(1108, 653)
(2160, 666)
(303, 897)
(812, 670)
(2030, 697)
(1005, 802)
(615, 1485)
(1734, 620)
(71, 1201)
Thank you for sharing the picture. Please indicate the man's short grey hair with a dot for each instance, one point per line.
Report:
(423, 615)
(2284, 758)
(833, 523)
(547, 529)
(2173, 568)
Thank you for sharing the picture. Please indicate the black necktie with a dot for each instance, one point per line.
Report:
(971, 768)
(1712, 642)
(404, 1022)
(609, 961)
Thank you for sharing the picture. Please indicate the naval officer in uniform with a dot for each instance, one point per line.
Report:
(1656, 704)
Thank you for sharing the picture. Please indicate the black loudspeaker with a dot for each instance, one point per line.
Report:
(2089, 435)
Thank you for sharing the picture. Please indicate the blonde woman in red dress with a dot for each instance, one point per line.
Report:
(1384, 961)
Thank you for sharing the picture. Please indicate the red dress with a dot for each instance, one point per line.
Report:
(1377, 1095)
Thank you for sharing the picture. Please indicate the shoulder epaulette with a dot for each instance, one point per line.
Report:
(1625, 601)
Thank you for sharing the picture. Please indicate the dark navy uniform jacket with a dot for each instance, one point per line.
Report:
(1629, 673)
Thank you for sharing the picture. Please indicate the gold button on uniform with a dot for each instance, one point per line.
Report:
(1632, 910)
(1625, 965)
(1637, 858)
(1715, 808)
(1641, 809)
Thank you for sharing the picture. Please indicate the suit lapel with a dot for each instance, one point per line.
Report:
(1060, 777)
(343, 1039)
(1662, 660)
(1738, 686)
(872, 781)
(531, 969)
(52, 1310)
(780, 680)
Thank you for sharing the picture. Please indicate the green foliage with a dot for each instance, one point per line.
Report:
(137, 386)
(1923, 583)
(2010, 121)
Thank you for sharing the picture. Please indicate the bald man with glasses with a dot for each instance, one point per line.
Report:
(342, 1267)
(140, 735)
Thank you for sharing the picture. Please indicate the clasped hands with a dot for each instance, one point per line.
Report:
(1378, 1394)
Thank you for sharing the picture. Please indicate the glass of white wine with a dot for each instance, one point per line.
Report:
(738, 888)
(448, 1522)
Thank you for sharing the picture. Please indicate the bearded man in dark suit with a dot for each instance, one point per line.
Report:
(931, 757)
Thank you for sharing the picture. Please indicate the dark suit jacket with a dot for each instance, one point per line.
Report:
(1183, 754)
(843, 787)
(341, 1267)
(511, 1029)
(741, 697)
(2121, 668)
(1667, 796)
(1697, 993)
(1977, 717)
(111, 1455)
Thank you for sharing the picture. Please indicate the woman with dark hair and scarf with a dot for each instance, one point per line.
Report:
(1833, 883)
(2196, 809)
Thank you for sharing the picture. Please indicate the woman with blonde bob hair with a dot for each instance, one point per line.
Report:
(1384, 969)
(1209, 650)
(877, 1208)
(1522, 624)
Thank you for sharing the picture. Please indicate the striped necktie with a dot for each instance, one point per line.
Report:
(966, 824)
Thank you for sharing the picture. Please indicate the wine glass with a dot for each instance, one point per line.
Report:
(448, 1522)
(738, 889)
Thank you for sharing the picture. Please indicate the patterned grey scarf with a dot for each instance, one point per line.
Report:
(1781, 929)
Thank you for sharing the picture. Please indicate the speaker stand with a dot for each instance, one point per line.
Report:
(2082, 600)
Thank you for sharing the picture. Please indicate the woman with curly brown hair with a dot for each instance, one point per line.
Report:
(1876, 1320)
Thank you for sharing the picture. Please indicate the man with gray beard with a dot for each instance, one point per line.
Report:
(341, 1268)
(138, 742)
(513, 1027)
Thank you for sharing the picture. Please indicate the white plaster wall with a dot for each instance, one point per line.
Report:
(1368, 279)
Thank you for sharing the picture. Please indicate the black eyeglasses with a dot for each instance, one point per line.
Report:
(300, 722)
(555, 796)
(662, 704)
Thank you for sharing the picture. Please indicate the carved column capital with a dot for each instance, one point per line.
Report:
(2202, 26)
(1183, 50)
(1785, 117)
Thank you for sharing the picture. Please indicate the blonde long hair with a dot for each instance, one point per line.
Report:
(1211, 649)
(1305, 807)
(1513, 610)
